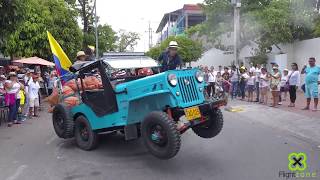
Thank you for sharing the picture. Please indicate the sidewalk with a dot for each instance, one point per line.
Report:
(297, 122)
(300, 104)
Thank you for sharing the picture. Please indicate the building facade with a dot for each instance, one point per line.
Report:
(177, 22)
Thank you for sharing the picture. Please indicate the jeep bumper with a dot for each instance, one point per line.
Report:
(204, 108)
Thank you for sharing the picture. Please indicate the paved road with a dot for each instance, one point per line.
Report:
(245, 150)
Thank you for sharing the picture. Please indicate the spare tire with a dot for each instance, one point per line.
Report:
(63, 124)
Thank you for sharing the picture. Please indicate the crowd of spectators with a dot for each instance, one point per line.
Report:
(256, 84)
(20, 92)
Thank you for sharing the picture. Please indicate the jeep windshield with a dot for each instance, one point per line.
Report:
(130, 65)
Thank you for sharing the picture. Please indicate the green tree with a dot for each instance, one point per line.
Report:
(266, 22)
(107, 38)
(85, 9)
(30, 39)
(12, 14)
(127, 40)
(189, 50)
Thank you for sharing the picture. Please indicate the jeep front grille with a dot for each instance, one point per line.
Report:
(188, 89)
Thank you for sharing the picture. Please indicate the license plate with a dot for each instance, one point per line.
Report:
(192, 113)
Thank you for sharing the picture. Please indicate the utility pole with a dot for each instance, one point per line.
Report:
(96, 29)
(237, 5)
(150, 35)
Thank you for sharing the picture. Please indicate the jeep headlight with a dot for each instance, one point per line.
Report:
(172, 79)
(199, 76)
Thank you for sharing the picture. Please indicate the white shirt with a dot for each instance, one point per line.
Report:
(14, 89)
(211, 77)
(284, 80)
(294, 78)
(252, 69)
(26, 79)
(251, 80)
(245, 76)
(234, 76)
(33, 89)
(257, 74)
(264, 82)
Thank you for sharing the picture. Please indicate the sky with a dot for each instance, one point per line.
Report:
(134, 15)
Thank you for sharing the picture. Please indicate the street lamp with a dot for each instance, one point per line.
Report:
(237, 5)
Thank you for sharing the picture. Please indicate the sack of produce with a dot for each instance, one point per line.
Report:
(92, 82)
(67, 90)
(72, 84)
(71, 101)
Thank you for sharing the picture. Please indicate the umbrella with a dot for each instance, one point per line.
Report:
(35, 60)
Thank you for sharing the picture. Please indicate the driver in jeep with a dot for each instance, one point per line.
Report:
(170, 59)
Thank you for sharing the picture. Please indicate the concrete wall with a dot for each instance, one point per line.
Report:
(298, 52)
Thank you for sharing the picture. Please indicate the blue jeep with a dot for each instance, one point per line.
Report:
(159, 108)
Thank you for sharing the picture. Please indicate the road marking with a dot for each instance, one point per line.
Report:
(51, 140)
(18, 172)
(234, 109)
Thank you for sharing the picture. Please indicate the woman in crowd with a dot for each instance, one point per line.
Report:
(51, 81)
(294, 82)
(226, 83)
(251, 86)
(243, 82)
(264, 85)
(284, 87)
(234, 78)
(211, 83)
(12, 87)
(275, 86)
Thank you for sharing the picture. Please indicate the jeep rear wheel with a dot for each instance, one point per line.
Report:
(63, 125)
(86, 138)
(160, 135)
(212, 127)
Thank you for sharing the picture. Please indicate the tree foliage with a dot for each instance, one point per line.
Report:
(127, 40)
(29, 37)
(266, 22)
(11, 13)
(189, 50)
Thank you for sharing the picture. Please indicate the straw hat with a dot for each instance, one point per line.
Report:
(12, 74)
(80, 53)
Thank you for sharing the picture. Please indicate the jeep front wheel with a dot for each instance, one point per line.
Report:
(212, 127)
(86, 138)
(160, 135)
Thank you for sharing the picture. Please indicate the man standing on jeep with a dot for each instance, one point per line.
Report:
(170, 59)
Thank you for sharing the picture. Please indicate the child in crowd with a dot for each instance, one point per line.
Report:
(22, 96)
(251, 86)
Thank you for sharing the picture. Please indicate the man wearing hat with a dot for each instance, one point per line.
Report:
(81, 56)
(170, 59)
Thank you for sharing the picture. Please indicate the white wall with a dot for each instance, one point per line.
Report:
(298, 52)
(303, 50)
(214, 57)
